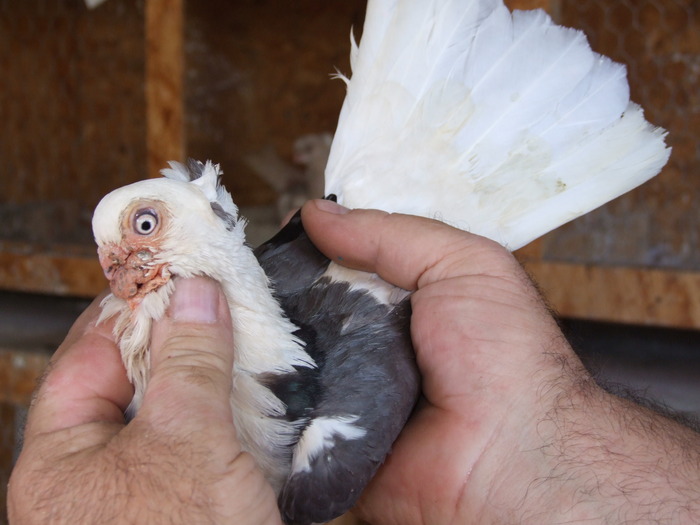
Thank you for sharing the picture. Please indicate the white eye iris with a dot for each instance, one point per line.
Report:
(145, 222)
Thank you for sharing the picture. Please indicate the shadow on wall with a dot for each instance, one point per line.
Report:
(662, 365)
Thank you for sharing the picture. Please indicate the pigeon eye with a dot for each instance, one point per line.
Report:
(145, 222)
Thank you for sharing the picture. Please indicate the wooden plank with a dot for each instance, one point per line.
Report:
(165, 134)
(620, 294)
(616, 294)
(55, 274)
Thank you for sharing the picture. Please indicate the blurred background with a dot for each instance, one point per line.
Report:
(92, 98)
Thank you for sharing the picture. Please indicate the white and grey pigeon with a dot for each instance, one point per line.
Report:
(502, 124)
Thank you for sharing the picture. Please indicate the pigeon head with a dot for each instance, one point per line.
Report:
(144, 238)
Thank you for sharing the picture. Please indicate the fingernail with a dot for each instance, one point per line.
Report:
(195, 300)
(331, 207)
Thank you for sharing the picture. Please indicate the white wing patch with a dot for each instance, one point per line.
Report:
(371, 283)
(320, 437)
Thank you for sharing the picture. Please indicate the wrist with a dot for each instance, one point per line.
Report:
(589, 455)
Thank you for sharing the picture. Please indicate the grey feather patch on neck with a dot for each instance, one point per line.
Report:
(229, 219)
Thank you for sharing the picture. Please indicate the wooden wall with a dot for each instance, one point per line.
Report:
(258, 76)
(72, 106)
(105, 96)
(72, 128)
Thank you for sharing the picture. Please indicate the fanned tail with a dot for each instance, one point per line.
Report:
(502, 124)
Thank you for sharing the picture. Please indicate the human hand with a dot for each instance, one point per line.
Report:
(178, 461)
(512, 429)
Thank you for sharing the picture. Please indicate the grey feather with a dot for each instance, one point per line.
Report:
(219, 211)
(365, 369)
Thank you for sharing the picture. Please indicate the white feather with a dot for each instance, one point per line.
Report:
(502, 124)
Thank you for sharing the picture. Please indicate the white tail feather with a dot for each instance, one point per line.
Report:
(502, 124)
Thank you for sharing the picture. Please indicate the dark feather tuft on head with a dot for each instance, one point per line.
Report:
(208, 177)
(195, 168)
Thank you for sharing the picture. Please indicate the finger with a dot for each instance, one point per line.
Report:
(85, 381)
(191, 357)
(404, 250)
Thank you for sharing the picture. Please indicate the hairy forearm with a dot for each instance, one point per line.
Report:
(593, 457)
(620, 463)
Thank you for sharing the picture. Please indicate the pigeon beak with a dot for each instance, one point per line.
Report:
(131, 274)
(112, 257)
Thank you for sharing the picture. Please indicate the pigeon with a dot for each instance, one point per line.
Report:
(499, 123)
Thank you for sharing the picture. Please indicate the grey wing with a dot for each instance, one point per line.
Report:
(354, 404)
(369, 384)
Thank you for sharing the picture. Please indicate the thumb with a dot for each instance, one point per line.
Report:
(191, 357)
